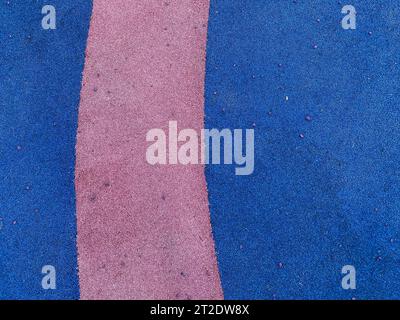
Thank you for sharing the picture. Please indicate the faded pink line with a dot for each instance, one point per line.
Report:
(143, 231)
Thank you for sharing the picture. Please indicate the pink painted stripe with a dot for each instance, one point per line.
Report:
(143, 231)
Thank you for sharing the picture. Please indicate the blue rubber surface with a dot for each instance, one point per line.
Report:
(40, 76)
(317, 203)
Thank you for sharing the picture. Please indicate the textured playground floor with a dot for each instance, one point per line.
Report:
(76, 191)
